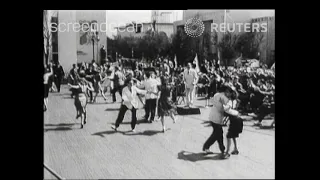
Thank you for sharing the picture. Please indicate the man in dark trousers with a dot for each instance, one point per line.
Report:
(73, 78)
(59, 74)
(151, 85)
(130, 101)
(118, 82)
(103, 53)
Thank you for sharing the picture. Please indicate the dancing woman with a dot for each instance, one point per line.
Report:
(97, 86)
(80, 100)
(165, 106)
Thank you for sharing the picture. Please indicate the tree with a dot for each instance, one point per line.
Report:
(227, 47)
(248, 44)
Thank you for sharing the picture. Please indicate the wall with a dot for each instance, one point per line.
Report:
(83, 40)
(268, 43)
(67, 47)
(167, 28)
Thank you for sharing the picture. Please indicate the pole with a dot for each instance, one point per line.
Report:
(267, 39)
(92, 48)
(98, 52)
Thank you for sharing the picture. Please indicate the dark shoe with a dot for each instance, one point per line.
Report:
(236, 152)
(257, 124)
(81, 127)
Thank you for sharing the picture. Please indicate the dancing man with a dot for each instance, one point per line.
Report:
(151, 85)
(129, 97)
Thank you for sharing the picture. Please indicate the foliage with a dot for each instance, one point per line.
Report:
(151, 45)
(227, 47)
(248, 44)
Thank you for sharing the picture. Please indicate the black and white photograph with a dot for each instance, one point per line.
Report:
(159, 94)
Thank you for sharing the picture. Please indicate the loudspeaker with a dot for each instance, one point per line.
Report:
(188, 111)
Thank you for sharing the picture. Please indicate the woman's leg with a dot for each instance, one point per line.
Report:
(173, 117)
(82, 117)
(103, 95)
(162, 122)
(84, 109)
(228, 148)
(235, 150)
(95, 96)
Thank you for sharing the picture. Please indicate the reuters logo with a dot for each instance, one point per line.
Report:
(194, 27)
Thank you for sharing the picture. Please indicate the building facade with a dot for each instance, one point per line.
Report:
(231, 17)
(139, 30)
(267, 47)
(72, 42)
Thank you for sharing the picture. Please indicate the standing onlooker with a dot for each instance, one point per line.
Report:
(59, 74)
(103, 54)
(118, 82)
(190, 80)
(46, 76)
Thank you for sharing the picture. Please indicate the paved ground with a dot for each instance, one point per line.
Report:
(97, 151)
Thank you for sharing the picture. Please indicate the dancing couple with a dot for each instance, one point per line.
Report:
(130, 101)
(216, 116)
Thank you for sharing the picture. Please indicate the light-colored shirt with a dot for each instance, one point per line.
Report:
(130, 98)
(46, 77)
(217, 110)
(152, 86)
(190, 77)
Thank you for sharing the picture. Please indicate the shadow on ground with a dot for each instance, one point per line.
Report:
(141, 121)
(67, 97)
(100, 102)
(128, 133)
(58, 129)
(61, 124)
(144, 133)
(194, 157)
(101, 134)
(112, 109)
